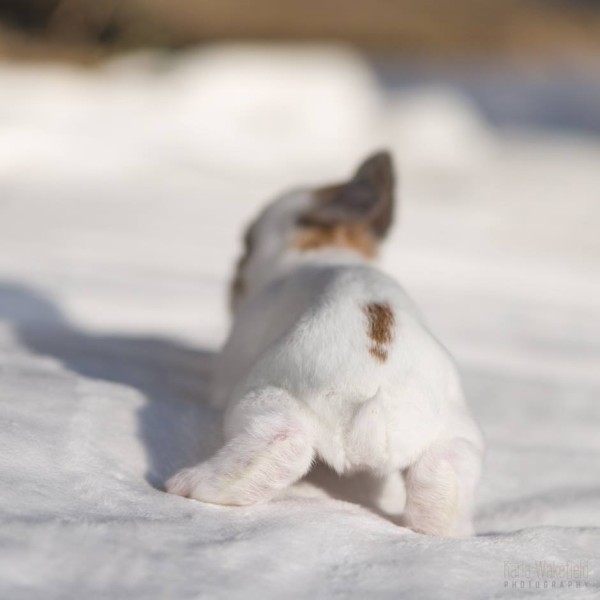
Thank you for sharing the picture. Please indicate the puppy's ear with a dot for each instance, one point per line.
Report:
(367, 200)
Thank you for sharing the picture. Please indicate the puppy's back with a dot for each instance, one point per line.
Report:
(342, 327)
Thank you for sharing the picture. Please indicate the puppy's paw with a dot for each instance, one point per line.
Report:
(452, 530)
(205, 484)
(183, 482)
(252, 467)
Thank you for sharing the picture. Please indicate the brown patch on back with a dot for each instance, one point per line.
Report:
(353, 237)
(381, 328)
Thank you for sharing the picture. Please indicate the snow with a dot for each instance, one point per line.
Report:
(123, 191)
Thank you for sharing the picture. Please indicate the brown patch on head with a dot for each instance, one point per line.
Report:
(367, 199)
(380, 330)
(356, 214)
(238, 285)
(355, 238)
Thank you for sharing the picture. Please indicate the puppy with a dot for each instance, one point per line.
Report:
(328, 359)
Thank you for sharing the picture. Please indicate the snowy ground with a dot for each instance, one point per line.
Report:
(122, 194)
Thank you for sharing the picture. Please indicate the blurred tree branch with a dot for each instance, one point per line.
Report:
(431, 27)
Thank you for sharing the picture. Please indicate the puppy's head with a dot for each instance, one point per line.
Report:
(349, 217)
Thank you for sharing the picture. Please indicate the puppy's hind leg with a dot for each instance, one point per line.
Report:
(271, 449)
(439, 489)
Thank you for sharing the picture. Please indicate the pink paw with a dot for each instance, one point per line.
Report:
(181, 483)
(193, 482)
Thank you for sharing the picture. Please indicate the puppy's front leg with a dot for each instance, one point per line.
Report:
(272, 451)
(440, 487)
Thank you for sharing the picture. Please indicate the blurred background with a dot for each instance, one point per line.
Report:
(138, 137)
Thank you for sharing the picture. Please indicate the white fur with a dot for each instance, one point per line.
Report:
(298, 383)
